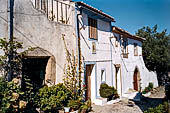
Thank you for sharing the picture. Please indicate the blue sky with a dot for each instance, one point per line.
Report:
(134, 14)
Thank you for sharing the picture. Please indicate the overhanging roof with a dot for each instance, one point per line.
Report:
(96, 10)
(125, 33)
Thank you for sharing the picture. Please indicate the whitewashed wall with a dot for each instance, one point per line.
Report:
(129, 64)
(102, 58)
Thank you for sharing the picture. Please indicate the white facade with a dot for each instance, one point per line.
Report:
(108, 56)
(128, 65)
(102, 58)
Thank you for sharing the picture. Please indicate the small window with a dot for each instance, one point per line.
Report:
(116, 41)
(103, 75)
(93, 48)
(135, 49)
(125, 47)
(92, 28)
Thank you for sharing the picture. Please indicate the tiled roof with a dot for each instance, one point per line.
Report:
(96, 10)
(123, 32)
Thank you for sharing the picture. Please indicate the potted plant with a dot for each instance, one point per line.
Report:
(84, 108)
(88, 103)
(61, 110)
(74, 105)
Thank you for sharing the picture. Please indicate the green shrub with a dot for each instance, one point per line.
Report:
(74, 104)
(52, 98)
(3, 85)
(162, 108)
(86, 106)
(150, 85)
(107, 91)
(148, 88)
(11, 97)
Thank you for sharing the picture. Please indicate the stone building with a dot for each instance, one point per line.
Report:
(37, 26)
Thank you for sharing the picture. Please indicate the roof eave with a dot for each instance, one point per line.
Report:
(123, 32)
(97, 11)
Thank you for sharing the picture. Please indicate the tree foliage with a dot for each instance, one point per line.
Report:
(156, 51)
(16, 65)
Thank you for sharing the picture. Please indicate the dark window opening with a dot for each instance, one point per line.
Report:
(34, 69)
(125, 48)
(135, 49)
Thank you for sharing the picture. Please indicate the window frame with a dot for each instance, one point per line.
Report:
(125, 47)
(93, 32)
(135, 49)
(116, 41)
(94, 48)
(103, 75)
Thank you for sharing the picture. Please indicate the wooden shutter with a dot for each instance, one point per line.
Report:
(92, 28)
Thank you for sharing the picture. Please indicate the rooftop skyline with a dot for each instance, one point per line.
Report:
(132, 15)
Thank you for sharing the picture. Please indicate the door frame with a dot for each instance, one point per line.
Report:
(84, 81)
(116, 81)
(136, 79)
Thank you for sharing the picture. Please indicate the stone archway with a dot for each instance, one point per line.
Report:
(46, 74)
(136, 80)
(50, 76)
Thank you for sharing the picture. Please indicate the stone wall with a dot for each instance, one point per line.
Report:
(34, 29)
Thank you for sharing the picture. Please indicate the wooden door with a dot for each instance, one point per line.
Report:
(88, 80)
(135, 80)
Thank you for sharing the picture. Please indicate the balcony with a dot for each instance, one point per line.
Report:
(58, 11)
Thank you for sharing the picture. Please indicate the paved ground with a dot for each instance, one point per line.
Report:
(127, 106)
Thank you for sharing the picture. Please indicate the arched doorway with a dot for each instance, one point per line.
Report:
(39, 66)
(136, 80)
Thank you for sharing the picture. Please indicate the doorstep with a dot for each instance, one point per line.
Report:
(100, 101)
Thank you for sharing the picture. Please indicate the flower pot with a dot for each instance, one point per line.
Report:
(74, 111)
(66, 109)
(60, 111)
(83, 111)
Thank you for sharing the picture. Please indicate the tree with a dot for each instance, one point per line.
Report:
(156, 51)
(16, 61)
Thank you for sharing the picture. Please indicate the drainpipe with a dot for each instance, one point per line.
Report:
(78, 43)
(10, 36)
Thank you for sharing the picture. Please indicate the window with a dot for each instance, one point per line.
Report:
(135, 49)
(116, 41)
(93, 48)
(125, 48)
(92, 28)
(103, 75)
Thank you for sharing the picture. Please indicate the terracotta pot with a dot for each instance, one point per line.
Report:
(66, 109)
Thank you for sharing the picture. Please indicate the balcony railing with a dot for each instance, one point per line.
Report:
(56, 10)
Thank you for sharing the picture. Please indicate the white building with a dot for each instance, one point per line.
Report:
(130, 71)
(110, 55)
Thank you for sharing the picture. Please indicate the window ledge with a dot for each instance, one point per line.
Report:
(92, 39)
(125, 55)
